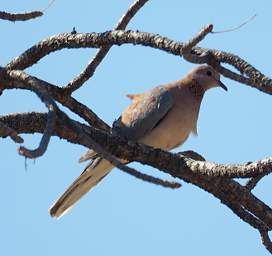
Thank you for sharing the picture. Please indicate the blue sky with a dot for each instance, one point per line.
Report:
(124, 216)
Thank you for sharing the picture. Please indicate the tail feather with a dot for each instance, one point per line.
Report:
(91, 176)
(87, 156)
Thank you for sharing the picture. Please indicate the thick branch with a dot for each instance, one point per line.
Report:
(253, 76)
(248, 170)
(228, 191)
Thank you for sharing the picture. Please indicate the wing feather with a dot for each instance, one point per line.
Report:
(145, 112)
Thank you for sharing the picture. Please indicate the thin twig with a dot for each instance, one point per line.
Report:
(7, 131)
(148, 178)
(237, 27)
(252, 183)
(187, 47)
(88, 72)
(48, 6)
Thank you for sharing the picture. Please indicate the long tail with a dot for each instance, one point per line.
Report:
(92, 175)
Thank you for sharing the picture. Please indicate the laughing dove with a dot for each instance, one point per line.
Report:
(162, 117)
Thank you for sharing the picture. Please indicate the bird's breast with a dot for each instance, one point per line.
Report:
(175, 128)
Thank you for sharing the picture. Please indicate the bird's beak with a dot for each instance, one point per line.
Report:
(222, 85)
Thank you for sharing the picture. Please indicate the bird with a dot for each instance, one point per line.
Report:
(162, 117)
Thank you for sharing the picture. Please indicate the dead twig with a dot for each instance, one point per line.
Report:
(149, 178)
(252, 183)
(187, 47)
(88, 72)
(237, 27)
(7, 131)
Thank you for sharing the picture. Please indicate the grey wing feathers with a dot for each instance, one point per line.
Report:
(151, 109)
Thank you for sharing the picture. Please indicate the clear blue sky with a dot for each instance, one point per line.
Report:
(124, 216)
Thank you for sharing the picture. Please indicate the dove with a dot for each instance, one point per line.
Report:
(162, 117)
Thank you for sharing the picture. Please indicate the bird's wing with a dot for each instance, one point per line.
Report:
(145, 112)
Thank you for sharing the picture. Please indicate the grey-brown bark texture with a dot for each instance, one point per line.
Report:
(216, 179)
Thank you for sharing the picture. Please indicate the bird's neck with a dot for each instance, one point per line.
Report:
(196, 89)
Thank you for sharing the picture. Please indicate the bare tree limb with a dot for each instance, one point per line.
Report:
(266, 240)
(20, 16)
(66, 100)
(187, 166)
(149, 178)
(7, 131)
(88, 72)
(187, 47)
(201, 168)
(24, 16)
(252, 183)
(253, 76)
(19, 77)
(228, 191)
(246, 170)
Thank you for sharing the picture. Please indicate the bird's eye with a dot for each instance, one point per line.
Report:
(209, 73)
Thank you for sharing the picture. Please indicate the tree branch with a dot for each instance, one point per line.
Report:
(247, 170)
(19, 79)
(102, 52)
(24, 16)
(7, 131)
(20, 16)
(187, 47)
(228, 191)
(266, 240)
(252, 183)
(15, 79)
(55, 92)
(253, 76)
(213, 178)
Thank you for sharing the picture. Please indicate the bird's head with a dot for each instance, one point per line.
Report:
(206, 77)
